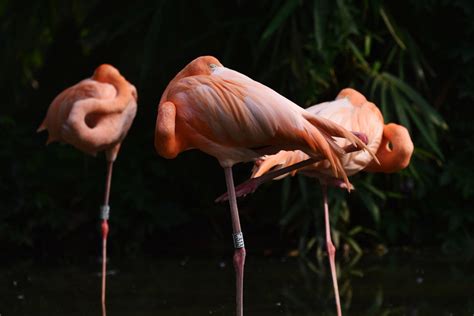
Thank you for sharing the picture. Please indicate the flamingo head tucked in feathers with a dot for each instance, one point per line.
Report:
(106, 73)
(203, 65)
(395, 150)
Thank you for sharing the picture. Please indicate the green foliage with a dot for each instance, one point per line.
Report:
(365, 47)
(401, 57)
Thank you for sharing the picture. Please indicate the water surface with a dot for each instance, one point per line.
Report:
(398, 283)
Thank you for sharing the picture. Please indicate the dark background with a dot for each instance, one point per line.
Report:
(414, 59)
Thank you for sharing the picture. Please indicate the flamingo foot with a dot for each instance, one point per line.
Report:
(336, 183)
(362, 136)
(243, 189)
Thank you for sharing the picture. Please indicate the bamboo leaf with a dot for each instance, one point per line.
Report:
(391, 29)
(424, 132)
(391, 56)
(375, 83)
(416, 57)
(355, 230)
(346, 17)
(433, 115)
(427, 132)
(310, 243)
(367, 45)
(285, 11)
(383, 101)
(399, 103)
(371, 206)
(423, 154)
(320, 17)
(353, 244)
(395, 195)
(292, 212)
(358, 55)
(312, 267)
(374, 190)
(357, 273)
(414, 172)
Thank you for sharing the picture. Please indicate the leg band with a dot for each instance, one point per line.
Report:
(238, 240)
(104, 212)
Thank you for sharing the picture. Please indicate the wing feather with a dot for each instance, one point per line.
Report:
(227, 113)
(363, 117)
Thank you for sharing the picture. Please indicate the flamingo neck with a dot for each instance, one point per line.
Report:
(108, 74)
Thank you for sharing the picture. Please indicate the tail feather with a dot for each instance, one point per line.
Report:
(335, 130)
(323, 132)
(264, 165)
(320, 143)
(318, 134)
(277, 161)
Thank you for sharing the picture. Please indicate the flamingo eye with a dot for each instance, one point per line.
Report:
(212, 66)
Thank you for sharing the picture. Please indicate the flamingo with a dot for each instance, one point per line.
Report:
(95, 115)
(391, 142)
(236, 119)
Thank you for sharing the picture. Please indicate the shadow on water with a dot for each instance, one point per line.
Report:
(398, 283)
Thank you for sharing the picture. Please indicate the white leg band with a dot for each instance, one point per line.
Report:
(104, 212)
(238, 240)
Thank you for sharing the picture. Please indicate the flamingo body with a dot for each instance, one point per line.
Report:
(352, 111)
(95, 114)
(230, 116)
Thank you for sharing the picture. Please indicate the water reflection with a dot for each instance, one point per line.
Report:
(398, 283)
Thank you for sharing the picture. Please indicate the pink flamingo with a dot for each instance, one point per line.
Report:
(235, 119)
(95, 115)
(391, 142)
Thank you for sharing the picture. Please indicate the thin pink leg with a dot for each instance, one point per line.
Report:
(105, 231)
(239, 252)
(331, 249)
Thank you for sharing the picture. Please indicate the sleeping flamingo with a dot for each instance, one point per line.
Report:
(352, 111)
(235, 119)
(95, 115)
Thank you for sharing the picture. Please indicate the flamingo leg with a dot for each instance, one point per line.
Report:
(331, 249)
(104, 214)
(239, 252)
